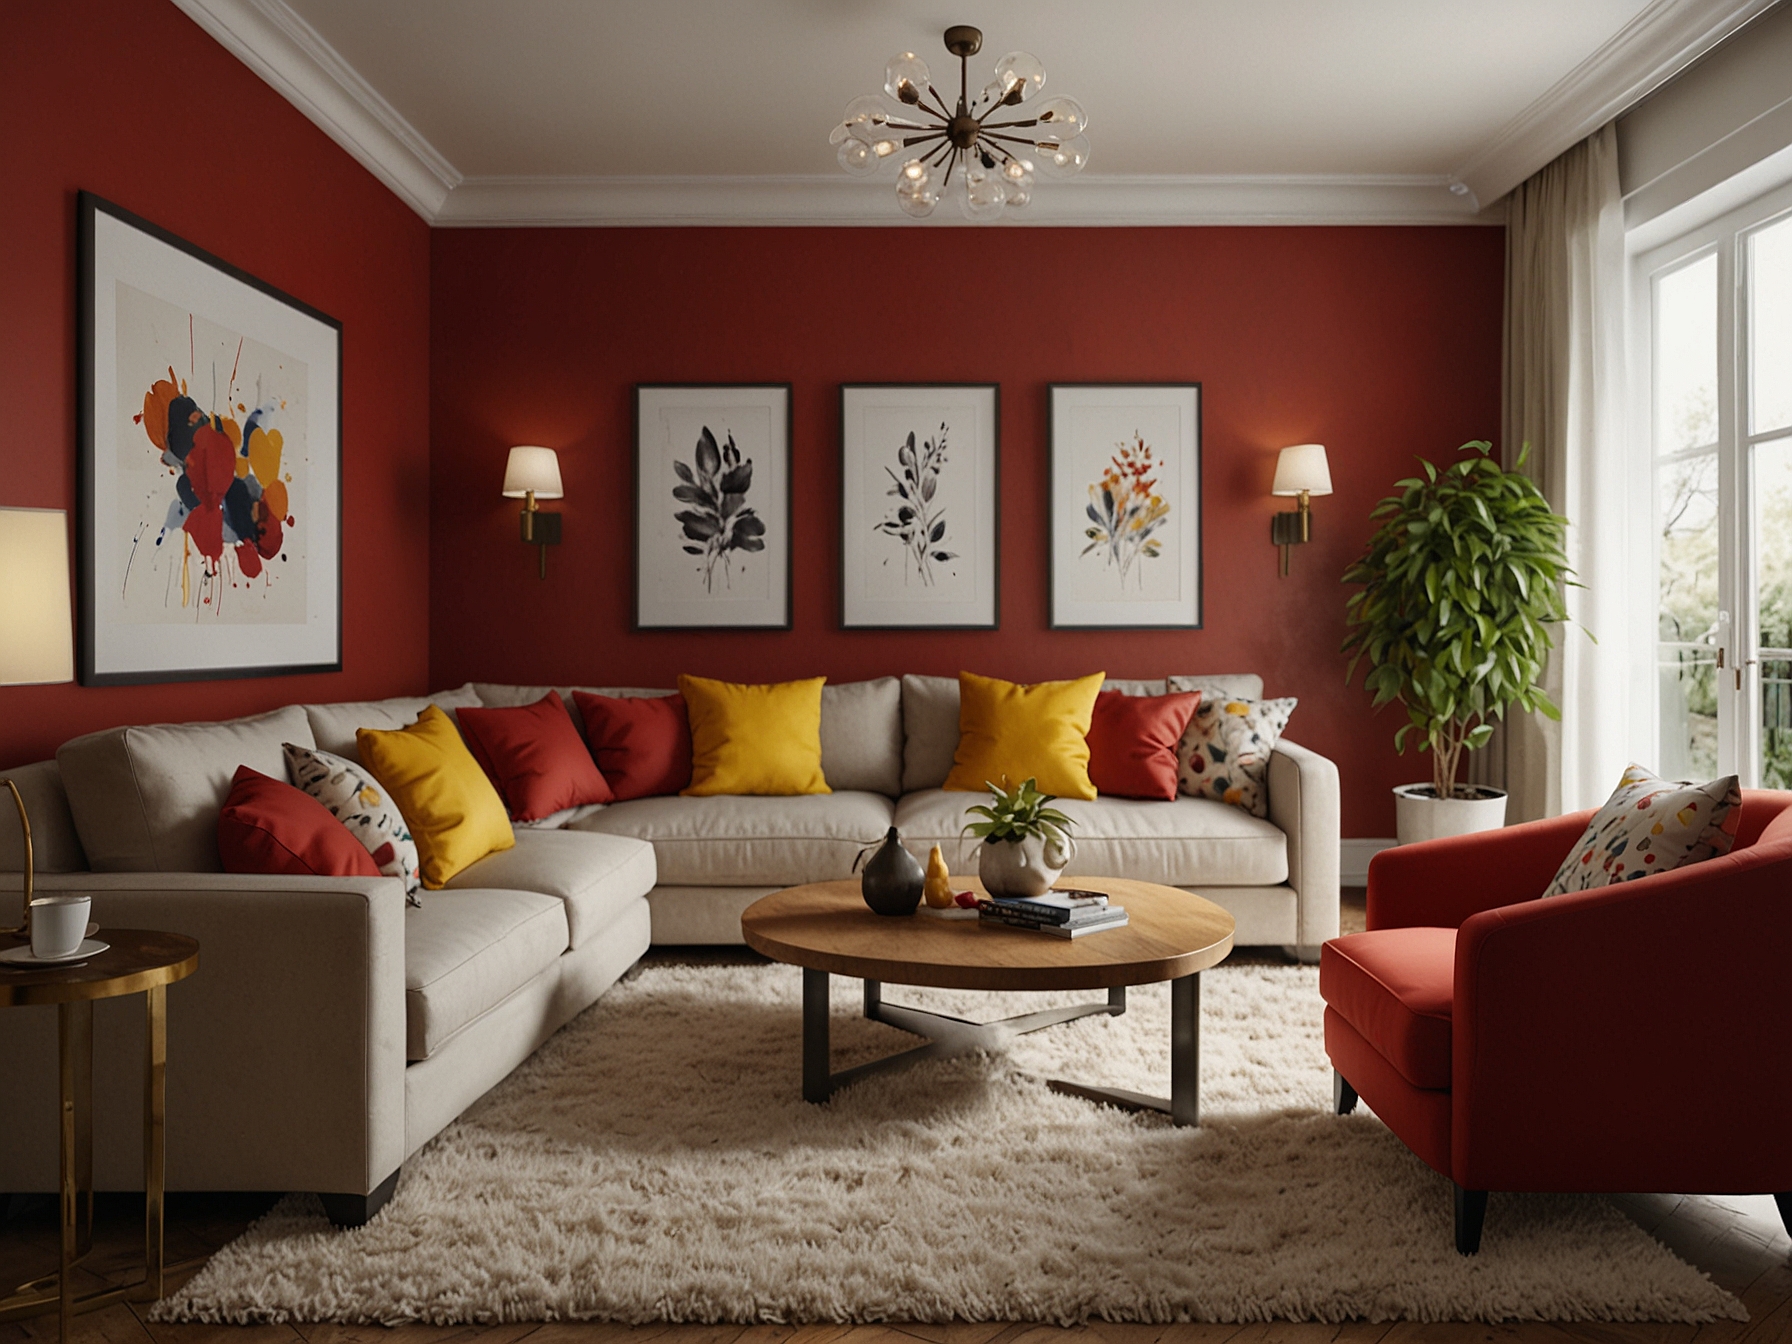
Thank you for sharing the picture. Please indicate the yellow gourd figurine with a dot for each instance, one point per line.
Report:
(937, 886)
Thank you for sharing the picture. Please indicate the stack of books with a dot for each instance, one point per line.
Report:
(1064, 914)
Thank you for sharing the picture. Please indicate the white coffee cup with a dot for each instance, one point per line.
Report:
(59, 924)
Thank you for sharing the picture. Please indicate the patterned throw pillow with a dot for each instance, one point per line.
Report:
(356, 799)
(1225, 752)
(1651, 825)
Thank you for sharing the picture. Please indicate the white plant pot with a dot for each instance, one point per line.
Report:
(1023, 867)
(1420, 815)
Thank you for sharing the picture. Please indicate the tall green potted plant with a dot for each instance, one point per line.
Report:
(1460, 586)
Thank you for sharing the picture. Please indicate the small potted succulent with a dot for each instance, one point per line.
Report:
(1026, 841)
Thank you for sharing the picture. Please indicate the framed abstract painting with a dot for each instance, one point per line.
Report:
(210, 426)
(920, 514)
(712, 506)
(1125, 506)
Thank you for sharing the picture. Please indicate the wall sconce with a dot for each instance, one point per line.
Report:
(534, 473)
(1301, 471)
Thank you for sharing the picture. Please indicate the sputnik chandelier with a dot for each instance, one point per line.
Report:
(993, 150)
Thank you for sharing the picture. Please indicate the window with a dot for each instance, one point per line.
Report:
(1718, 304)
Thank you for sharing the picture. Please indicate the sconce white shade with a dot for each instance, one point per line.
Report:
(1302, 467)
(37, 638)
(532, 468)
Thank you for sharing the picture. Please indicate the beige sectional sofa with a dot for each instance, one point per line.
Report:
(331, 1030)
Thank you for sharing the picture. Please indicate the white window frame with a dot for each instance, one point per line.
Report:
(1726, 236)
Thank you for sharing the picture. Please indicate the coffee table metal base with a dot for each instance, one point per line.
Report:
(947, 1036)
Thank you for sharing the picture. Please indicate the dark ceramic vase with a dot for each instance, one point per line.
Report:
(893, 879)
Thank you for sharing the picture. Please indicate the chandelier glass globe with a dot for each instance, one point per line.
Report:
(986, 150)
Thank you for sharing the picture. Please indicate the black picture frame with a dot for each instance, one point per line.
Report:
(240, 612)
(868, 600)
(1074, 414)
(673, 604)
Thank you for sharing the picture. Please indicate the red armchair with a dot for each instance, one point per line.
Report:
(1633, 1038)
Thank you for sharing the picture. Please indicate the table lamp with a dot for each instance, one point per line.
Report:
(36, 625)
(1301, 471)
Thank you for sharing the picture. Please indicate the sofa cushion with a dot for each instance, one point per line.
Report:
(1189, 842)
(744, 841)
(351, 794)
(594, 875)
(929, 731)
(454, 813)
(146, 799)
(641, 743)
(1395, 986)
(268, 826)
(55, 846)
(1225, 751)
(1014, 731)
(466, 951)
(1133, 740)
(333, 726)
(762, 738)
(535, 756)
(861, 735)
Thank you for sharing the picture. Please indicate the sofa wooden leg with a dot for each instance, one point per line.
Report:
(355, 1210)
(1784, 1200)
(1471, 1212)
(1343, 1094)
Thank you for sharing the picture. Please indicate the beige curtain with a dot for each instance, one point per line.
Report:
(1564, 396)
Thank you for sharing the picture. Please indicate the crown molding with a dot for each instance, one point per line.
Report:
(1090, 200)
(286, 52)
(1661, 41)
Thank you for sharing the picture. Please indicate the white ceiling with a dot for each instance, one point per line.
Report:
(710, 111)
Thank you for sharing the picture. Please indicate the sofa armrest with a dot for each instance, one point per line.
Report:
(1303, 802)
(286, 1048)
(1631, 1037)
(1440, 883)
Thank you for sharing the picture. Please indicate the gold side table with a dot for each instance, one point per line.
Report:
(139, 961)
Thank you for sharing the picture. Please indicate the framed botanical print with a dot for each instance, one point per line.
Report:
(920, 514)
(1125, 506)
(210, 428)
(712, 506)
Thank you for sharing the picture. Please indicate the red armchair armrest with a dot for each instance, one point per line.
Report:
(1630, 1038)
(1440, 883)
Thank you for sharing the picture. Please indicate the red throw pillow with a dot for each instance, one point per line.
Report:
(1132, 742)
(533, 755)
(268, 826)
(642, 743)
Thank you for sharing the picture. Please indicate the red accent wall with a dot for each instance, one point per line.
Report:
(132, 100)
(1381, 343)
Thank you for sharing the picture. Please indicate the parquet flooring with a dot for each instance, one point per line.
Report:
(1739, 1241)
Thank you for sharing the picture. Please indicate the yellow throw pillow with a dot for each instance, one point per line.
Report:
(754, 739)
(455, 815)
(1010, 732)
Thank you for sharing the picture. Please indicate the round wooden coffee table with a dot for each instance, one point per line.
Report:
(825, 928)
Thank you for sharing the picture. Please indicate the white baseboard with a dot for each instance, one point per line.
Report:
(1354, 856)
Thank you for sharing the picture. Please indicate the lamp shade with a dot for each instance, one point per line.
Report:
(1302, 467)
(37, 640)
(532, 468)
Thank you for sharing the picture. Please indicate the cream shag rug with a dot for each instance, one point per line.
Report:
(655, 1162)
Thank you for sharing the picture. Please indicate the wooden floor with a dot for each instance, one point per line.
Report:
(1738, 1241)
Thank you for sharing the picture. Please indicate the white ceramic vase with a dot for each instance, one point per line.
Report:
(1420, 815)
(1023, 867)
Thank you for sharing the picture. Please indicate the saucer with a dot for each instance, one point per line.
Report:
(21, 956)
